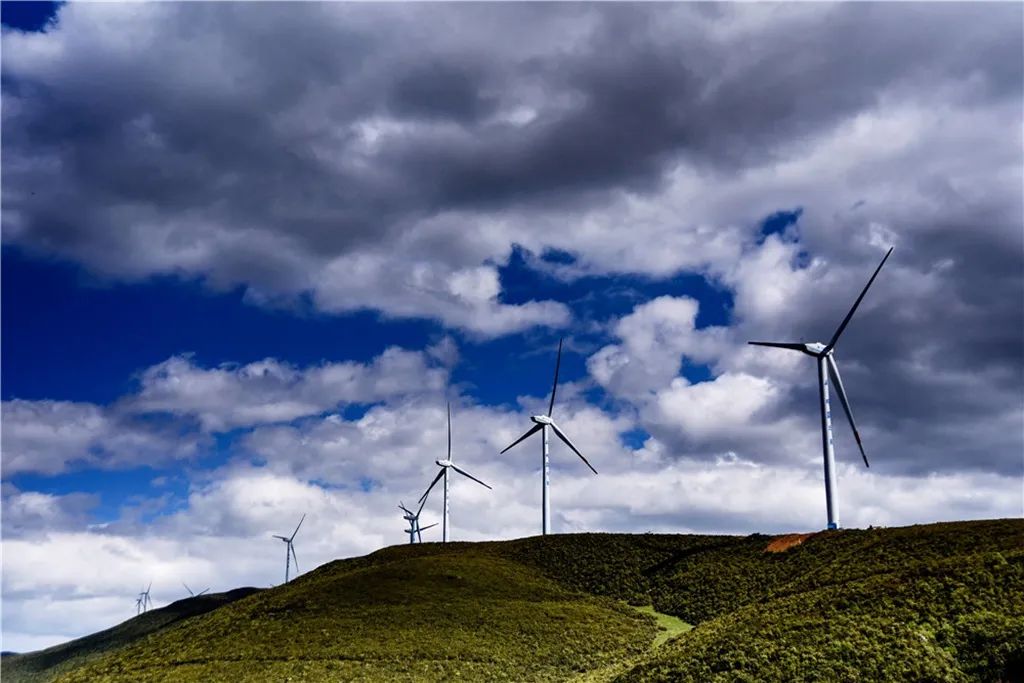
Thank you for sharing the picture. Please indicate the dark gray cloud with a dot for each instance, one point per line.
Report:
(387, 156)
(258, 142)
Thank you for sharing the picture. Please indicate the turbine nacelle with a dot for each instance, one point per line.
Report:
(443, 463)
(542, 420)
(816, 349)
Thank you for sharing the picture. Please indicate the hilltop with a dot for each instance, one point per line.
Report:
(942, 602)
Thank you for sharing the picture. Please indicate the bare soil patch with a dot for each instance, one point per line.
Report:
(781, 544)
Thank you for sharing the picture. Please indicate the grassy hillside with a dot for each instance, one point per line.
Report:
(465, 615)
(45, 664)
(942, 602)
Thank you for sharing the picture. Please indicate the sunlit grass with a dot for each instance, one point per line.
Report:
(668, 626)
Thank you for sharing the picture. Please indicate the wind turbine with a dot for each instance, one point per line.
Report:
(191, 594)
(143, 603)
(289, 551)
(827, 368)
(414, 530)
(446, 465)
(541, 424)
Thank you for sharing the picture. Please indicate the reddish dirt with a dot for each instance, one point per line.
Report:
(781, 544)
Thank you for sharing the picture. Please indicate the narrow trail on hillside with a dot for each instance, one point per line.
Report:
(668, 627)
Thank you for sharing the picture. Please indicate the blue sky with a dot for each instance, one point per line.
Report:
(231, 296)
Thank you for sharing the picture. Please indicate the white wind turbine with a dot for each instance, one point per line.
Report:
(191, 593)
(541, 424)
(143, 603)
(446, 465)
(289, 551)
(827, 368)
(414, 530)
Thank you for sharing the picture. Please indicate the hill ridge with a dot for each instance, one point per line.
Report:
(941, 602)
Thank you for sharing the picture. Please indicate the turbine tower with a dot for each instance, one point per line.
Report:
(289, 550)
(446, 465)
(827, 368)
(541, 424)
(414, 530)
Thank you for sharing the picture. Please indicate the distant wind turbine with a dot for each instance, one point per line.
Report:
(446, 465)
(191, 594)
(541, 424)
(827, 368)
(289, 550)
(414, 530)
(143, 603)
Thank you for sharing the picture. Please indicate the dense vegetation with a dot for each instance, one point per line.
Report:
(943, 602)
(472, 616)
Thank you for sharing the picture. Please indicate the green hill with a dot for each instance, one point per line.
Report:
(45, 664)
(942, 602)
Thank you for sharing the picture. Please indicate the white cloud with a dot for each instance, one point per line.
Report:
(51, 436)
(273, 391)
(653, 340)
(54, 436)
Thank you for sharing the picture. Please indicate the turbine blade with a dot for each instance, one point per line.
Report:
(283, 538)
(297, 528)
(202, 591)
(188, 589)
(554, 387)
(780, 345)
(833, 371)
(846, 320)
(561, 435)
(294, 557)
(427, 527)
(449, 431)
(533, 430)
(423, 498)
(467, 474)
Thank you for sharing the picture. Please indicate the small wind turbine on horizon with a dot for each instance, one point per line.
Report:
(414, 530)
(289, 550)
(541, 424)
(143, 602)
(191, 594)
(827, 368)
(446, 465)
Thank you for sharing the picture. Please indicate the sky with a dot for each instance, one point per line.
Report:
(251, 251)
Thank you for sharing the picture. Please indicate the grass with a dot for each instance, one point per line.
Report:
(941, 602)
(668, 626)
(412, 618)
(45, 664)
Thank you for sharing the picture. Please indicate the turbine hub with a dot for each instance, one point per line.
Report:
(541, 419)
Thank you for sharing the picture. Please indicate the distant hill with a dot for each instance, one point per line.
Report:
(44, 665)
(942, 602)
